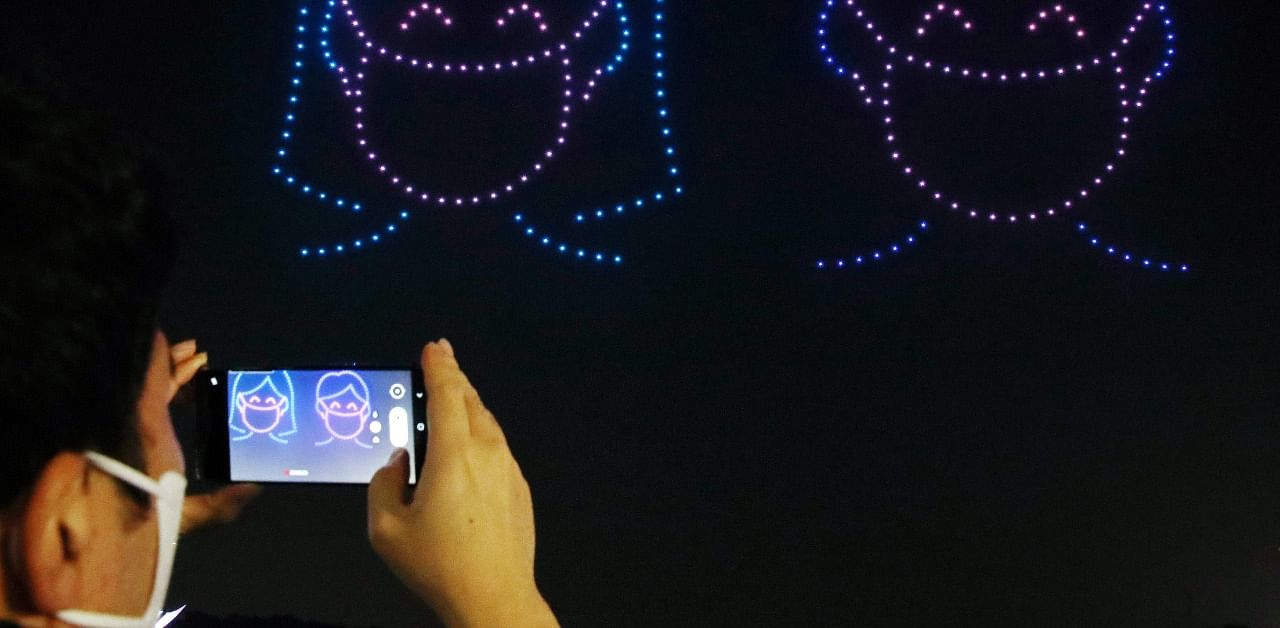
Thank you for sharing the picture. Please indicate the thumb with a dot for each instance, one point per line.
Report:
(386, 493)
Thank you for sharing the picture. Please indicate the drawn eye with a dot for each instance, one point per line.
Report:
(255, 399)
(351, 405)
(335, 406)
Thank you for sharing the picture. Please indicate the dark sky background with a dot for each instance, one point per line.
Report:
(1000, 428)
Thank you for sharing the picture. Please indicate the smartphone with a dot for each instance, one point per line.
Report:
(317, 425)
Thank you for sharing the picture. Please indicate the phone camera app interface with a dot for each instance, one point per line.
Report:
(317, 425)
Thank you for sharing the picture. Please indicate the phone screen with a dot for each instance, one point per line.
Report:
(319, 425)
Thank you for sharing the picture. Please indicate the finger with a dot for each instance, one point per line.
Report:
(182, 350)
(185, 370)
(230, 501)
(222, 506)
(386, 494)
(446, 408)
(483, 424)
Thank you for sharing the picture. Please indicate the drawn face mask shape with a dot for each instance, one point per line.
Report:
(344, 416)
(261, 414)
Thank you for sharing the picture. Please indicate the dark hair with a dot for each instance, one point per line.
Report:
(85, 252)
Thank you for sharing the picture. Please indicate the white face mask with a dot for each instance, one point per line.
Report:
(167, 495)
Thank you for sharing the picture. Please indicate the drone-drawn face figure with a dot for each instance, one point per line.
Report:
(342, 402)
(873, 82)
(357, 54)
(262, 404)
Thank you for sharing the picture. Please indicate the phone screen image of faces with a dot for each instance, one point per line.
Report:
(330, 426)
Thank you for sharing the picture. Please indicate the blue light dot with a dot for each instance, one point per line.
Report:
(519, 217)
(305, 252)
(404, 214)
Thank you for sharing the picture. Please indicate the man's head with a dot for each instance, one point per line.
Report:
(85, 252)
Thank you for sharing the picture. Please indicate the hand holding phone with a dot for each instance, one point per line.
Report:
(464, 541)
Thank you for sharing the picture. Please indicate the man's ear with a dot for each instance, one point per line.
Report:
(57, 529)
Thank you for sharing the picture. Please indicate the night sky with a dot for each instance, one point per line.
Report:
(999, 427)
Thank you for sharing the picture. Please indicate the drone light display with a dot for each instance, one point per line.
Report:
(873, 84)
(339, 48)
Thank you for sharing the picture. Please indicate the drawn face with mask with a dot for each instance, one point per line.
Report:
(342, 402)
(262, 404)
